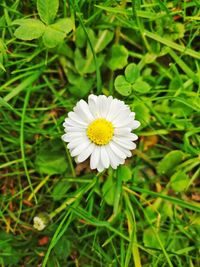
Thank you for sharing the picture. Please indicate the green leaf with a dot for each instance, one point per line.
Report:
(51, 158)
(180, 109)
(63, 49)
(80, 85)
(29, 29)
(52, 37)
(8, 254)
(108, 190)
(99, 42)
(103, 39)
(132, 72)
(86, 65)
(149, 58)
(150, 240)
(81, 37)
(195, 219)
(167, 165)
(179, 31)
(151, 213)
(167, 209)
(118, 58)
(124, 172)
(179, 181)
(169, 28)
(175, 83)
(64, 25)
(63, 247)
(142, 112)
(84, 62)
(141, 87)
(60, 190)
(122, 86)
(47, 10)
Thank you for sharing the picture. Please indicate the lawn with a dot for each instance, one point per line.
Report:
(56, 212)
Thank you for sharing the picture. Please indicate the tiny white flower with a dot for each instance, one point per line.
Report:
(102, 130)
(39, 223)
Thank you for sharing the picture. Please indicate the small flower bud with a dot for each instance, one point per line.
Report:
(40, 221)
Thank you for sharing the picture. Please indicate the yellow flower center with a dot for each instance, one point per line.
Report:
(100, 131)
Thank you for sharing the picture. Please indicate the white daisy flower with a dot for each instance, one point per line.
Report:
(101, 129)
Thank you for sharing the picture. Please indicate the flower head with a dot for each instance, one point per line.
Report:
(38, 223)
(41, 221)
(102, 130)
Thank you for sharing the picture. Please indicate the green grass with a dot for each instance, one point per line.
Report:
(147, 212)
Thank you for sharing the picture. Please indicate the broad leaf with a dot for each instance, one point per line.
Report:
(63, 247)
(132, 72)
(29, 29)
(118, 58)
(167, 165)
(60, 190)
(122, 86)
(86, 65)
(64, 25)
(52, 37)
(124, 172)
(109, 190)
(99, 42)
(150, 240)
(104, 38)
(47, 10)
(81, 87)
(142, 112)
(179, 181)
(81, 37)
(51, 158)
(175, 83)
(141, 87)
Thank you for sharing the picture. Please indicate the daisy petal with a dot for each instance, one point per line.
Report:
(123, 150)
(95, 157)
(100, 166)
(86, 153)
(75, 129)
(73, 116)
(124, 143)
(116, 150)
(122, 131)
(83, 111)
(136, 124)
(104, 157)
(74, 143)
(114, 159)
(121, 117)
(68, 138)
(114, 110)
(79, 149)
